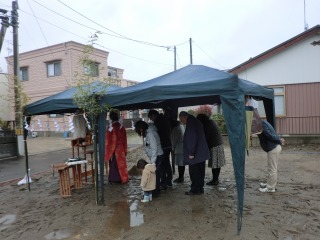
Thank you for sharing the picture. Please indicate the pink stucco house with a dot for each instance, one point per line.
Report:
(53, 69)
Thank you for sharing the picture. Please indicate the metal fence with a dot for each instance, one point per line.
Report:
(309, 125)
(8, 144)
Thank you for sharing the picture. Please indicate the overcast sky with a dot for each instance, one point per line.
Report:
(224, 33)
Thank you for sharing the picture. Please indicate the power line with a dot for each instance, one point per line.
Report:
(46, 39)
(95, 43)
(77, 22)
(208, 55)
(178, 58)
(99, 31)
(133, 56)
(127, 38)
(53, 24)
(181, 43)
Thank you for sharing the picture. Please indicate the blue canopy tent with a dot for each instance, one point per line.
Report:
(188, 86)
(196, 85)
(63, 102)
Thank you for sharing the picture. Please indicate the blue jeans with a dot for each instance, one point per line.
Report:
(147, 193)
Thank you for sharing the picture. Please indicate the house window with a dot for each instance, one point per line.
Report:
(54, 69)
(91, 69)
(112, 73)
(279, 102)
(55, 115)
(24, 74)
(130, 83)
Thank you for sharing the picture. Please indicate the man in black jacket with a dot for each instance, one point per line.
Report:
(164, 131)
(270, 143)
(195, 151)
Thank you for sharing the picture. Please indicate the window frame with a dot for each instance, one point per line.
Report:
(21, 70)
(112, 73)
(87, 69)
(283, 93)
(55, 73)
(55, 115)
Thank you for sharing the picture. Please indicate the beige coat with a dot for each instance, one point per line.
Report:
(148, 179)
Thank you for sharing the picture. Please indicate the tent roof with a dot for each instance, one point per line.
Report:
(191, 85)
(188, 86)
(63, 102)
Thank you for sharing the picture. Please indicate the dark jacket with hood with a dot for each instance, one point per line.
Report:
(164, 131)
(269, 139)
(194, 142)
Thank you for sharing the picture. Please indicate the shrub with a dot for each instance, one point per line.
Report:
(219, 119)
(192, 112)
(4, 125)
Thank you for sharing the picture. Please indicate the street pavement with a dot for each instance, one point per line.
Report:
(43, 152)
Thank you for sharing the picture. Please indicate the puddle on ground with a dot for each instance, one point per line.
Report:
(6, 220)
(58, 234)
(136, 217)
(125, 216)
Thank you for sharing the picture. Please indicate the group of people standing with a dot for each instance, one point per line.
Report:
(189, 141)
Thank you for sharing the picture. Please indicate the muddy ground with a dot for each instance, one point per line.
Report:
(293, 212)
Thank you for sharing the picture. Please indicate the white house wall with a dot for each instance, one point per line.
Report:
(297, 64)
(5, 109)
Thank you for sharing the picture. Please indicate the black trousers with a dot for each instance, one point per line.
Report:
(181, 170)
(215, 174)
(197, 173)
(166, 171)
(159, 162)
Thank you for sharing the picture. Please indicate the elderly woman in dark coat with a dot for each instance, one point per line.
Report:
(215, 145)
(195, 151)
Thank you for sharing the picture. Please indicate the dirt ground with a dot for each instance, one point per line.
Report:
(293, 212)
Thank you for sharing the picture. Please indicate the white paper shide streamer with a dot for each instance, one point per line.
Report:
(25, 179)
(56, 125)
(88, 123)
(71, 127)
(26, 126)
(39, 124)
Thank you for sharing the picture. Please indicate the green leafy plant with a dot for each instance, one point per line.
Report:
(20, 99)
(219, 119)
(192, 112)
(87, 95)
(4, 125)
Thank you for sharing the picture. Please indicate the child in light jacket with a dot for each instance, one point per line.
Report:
(148, 179)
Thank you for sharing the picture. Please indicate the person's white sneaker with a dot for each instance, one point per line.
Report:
(145, 199)
(267, 190)
(263, 185)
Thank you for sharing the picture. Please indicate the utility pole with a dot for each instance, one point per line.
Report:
(16, 70)
(190, 41)
(4, 25)
(175, 57)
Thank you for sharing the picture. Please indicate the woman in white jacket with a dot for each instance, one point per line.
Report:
(153, 148)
